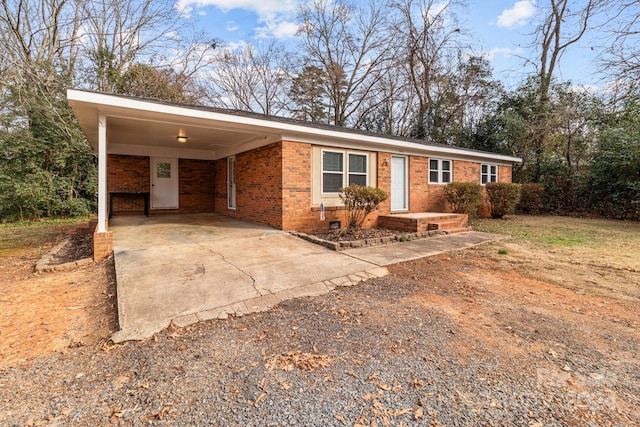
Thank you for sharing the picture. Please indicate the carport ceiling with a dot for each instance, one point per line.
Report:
(146, 132)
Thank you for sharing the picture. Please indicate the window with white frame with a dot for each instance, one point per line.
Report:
(440, 171)
(341, 169)
(357, 169)
(488, 173)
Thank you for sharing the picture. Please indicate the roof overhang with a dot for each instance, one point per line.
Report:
(138, 126)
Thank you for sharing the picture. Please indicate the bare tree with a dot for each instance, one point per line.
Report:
(251, 79)
(38, 53)
(350, 45)
(621, 57)
(117, 33)
(390, 110)
(429, 43)
(564, 24)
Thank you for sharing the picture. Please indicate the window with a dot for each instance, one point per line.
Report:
(357, 169)
(334, 165)
(163, 170)
(489, 173)
(332, 171)
(439, 171)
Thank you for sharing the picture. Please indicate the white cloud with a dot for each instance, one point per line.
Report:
(275, 17)
(173, 35)
(587, 89)
(504, 51)
(232, 26)
(518, 15)
(278, 30)
(261, 7)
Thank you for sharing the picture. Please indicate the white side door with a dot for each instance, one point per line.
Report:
(231, 182)
(399, 184)
(164, 183)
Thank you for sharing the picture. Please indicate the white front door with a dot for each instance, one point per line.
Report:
(164, 183)
(231, 182)
(399, 178)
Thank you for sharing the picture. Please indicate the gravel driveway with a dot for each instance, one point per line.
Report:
(447, 340)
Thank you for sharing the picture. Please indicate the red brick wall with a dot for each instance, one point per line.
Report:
(425, 197)
(128, 174)
(196, 186)
(505, 174)
(258, 186)
(220, 186)
(132, 173)
(296, 189)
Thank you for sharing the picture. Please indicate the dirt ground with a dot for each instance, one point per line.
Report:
(565, 308)
(52, 312)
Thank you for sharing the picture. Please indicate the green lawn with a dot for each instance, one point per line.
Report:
(603, 241)
(28, 237)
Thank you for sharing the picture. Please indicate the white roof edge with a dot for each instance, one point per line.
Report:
(290, 128)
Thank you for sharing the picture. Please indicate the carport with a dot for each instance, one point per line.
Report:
(182, 269)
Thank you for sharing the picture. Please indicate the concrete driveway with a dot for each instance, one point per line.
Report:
(188, 268)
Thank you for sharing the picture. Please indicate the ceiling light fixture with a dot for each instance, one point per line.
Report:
(182, 139)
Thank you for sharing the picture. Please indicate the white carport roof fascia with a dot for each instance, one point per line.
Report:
(125, 106)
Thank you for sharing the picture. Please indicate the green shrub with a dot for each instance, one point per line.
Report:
(503, 198)
(464, 197)
(360, 201)
(531, 198)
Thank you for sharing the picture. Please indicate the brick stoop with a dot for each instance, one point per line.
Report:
(426, 221)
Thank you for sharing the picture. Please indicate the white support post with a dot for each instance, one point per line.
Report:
(102, 173)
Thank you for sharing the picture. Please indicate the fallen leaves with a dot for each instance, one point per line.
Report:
(297, 360)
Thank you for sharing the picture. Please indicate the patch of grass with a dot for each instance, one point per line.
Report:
(19, 238)
(570, 240)
(45, 222)
(601, 240)
(503, 252)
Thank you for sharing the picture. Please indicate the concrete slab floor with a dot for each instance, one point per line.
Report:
(189, 268)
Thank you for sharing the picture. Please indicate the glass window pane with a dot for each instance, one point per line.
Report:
(358, 180)
(494, 178)
(484, 178)
(446, 177)
(357, 163)
(332, 162)
(433, 165)
(484, 168)
(433, 176)
(446, 165)
(163, 170)
(331, 182)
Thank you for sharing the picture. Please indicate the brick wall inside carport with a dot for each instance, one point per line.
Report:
(258, 186)
(128, 174)
(132, 174)
(196, 186)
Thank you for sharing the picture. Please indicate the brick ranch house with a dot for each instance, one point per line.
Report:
(158, 157)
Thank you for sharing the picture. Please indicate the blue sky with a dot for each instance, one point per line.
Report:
(502, 29)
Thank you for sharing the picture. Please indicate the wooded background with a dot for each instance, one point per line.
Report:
(400, 67)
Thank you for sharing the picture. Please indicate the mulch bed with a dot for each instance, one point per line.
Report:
(368, 233)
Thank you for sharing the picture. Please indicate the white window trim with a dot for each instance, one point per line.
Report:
(345, 168)
(489, 174)
(440, 170)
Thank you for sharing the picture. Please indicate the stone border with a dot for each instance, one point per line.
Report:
(45, 262)
(373, 241)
